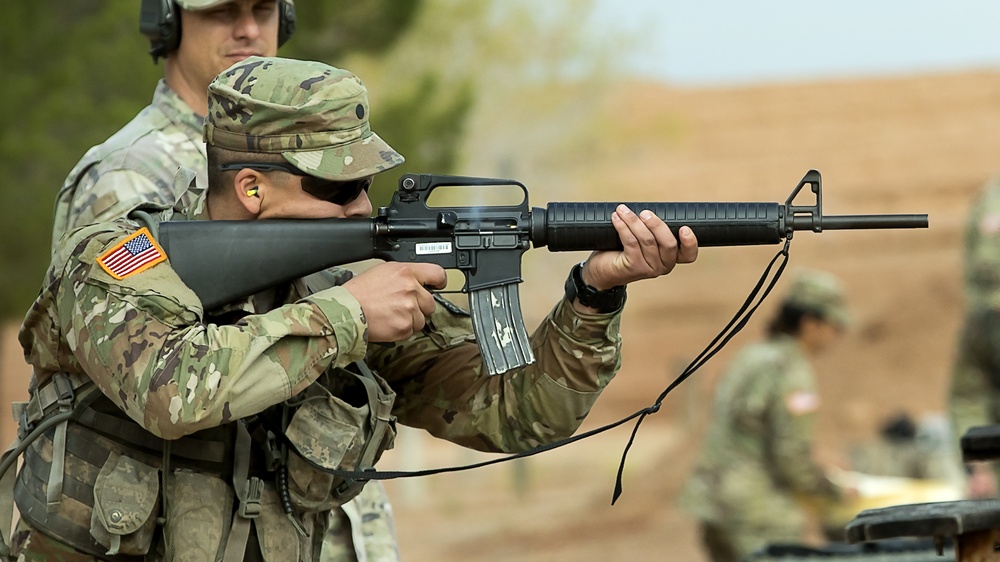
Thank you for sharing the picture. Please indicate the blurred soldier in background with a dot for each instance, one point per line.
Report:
(756, 458)
(975, 383)
(905, 449)
(197, 40)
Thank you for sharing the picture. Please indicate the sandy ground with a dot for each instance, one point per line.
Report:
(908, 145)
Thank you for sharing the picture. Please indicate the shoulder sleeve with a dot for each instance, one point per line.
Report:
(441, 387)
(140, 336)
(793, 419)
(982, 244)
(138, 165)
(102, 197)
(972, 381)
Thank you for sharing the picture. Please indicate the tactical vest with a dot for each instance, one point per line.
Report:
(96, 480)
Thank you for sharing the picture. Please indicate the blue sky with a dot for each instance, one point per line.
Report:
(705, 42)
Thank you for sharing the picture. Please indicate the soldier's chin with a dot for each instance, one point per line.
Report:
(238, 57)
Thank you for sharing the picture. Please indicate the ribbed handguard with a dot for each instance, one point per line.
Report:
(587, 226)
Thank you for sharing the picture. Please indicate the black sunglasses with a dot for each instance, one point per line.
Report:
(336, 192)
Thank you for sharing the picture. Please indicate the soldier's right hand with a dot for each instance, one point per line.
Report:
(395, 299)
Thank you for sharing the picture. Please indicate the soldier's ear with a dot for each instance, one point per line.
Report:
(250, 187)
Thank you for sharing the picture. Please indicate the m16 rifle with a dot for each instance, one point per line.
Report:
(222, 261)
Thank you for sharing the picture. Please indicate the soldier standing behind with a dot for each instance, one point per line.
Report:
(974, 395)
(756, 458)
(141, 163)
(197, 40)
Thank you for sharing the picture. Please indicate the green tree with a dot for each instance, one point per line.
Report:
(419, 116)
(77, 70)
(329, 30)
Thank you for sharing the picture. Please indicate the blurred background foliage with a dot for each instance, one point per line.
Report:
(437, 70)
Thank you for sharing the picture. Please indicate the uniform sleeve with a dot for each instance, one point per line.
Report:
(793, 417)
(104, 197)
(972, 242)
(143, 342)
(970, 384)
(441, 387)
(975, 354)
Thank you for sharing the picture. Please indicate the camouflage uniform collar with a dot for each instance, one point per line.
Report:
(192, 203)
(177, 111)
(789, 343)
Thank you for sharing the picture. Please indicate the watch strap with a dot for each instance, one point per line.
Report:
(606, 301)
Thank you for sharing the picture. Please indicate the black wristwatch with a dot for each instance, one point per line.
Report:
(609, 300)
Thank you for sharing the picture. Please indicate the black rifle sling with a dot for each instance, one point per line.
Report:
(739, 320)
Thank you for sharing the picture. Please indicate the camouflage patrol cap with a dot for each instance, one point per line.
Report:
(820, 292)
(195, 5)
(313, 114)
(200, 4)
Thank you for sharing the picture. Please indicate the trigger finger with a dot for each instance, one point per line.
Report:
(419, 321)
(426, 303)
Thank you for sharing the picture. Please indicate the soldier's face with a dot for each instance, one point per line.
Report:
(818, 335)
(283, 198)
(213, 40)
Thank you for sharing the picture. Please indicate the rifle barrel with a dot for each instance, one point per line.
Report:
(860, 222)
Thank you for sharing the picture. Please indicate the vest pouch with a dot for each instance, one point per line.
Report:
(126, 500)
(343, 424)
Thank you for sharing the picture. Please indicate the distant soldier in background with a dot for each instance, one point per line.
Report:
(756, 459)
(906, 450)
(975, 383)
(197, 40)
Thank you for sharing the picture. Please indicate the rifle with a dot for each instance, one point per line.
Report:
(222, 261)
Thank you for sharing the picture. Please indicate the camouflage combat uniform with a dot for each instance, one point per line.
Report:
(179, 374)
(134, 166)
(975, 383)
(145, 343)
(140, 165)
(756, 457)
(908, 459)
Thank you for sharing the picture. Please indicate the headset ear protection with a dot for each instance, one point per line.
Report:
(160, 22)
(286, 21)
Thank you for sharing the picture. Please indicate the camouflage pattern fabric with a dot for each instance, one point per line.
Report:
(974, 394)
(34, 546)
(142, 340)
(145, 342)
(135, 166)
(360, 527)
(195, 5)
(200, 4)
(909, 459)
(756, 461)
(819, 292)
(314, 115)
(149, 162)
(982, 249)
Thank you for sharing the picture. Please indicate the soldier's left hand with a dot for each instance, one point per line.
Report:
(650, 250)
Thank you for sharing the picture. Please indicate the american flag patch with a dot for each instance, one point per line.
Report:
(136, 253)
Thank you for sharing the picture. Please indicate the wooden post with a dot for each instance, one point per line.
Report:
(14, 376)
(978, 546)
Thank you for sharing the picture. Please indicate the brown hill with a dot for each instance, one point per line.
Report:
(922, 144)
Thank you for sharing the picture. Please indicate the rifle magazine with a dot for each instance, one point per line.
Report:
(499, 328)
